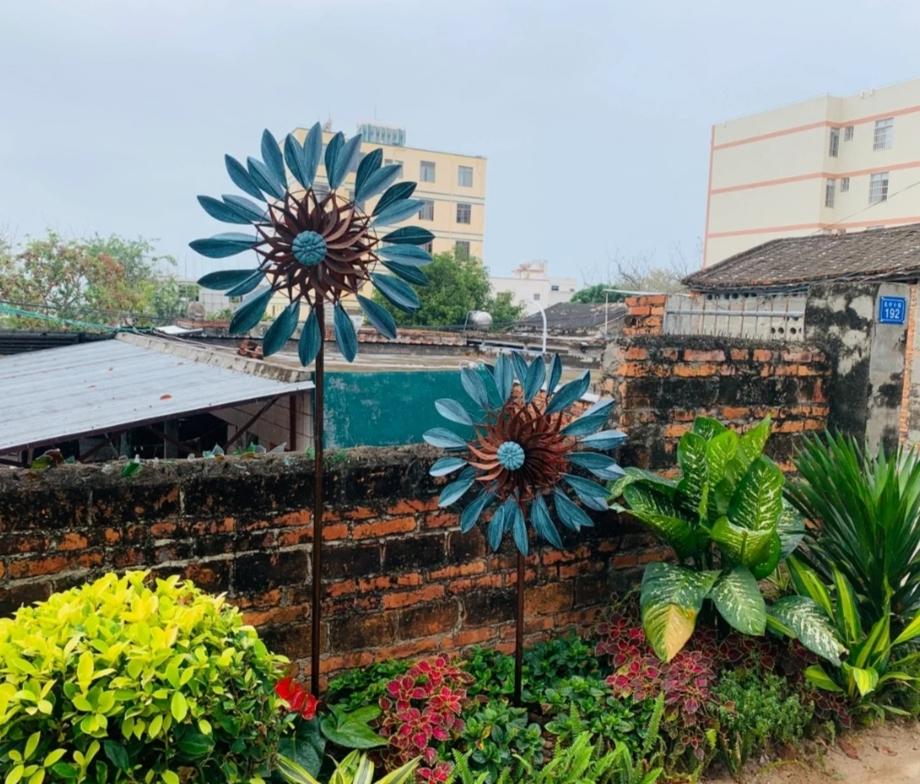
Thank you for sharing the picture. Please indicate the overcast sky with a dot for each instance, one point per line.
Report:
(594, 116)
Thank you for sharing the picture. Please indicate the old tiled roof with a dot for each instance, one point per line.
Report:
(575, 317)
(875, 254)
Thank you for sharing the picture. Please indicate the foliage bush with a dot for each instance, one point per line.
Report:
(500, 737)
(363, 686)
(118, 681)
(756, 711)
(354, 769)
(422, 712)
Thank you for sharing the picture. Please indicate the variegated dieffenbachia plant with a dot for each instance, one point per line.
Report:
(727, 521)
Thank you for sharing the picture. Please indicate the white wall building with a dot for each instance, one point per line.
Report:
(532, 287)
(821, 166)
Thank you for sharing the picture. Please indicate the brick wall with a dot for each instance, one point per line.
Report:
(644, 315)
(401, 580)
(661, 383)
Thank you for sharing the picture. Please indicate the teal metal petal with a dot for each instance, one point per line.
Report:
(225, 279)
(278, 334)
(222, 245)
(333, 147)
(395, 193)
(453, 411)
(518, 529)
(496, 529)
(521, 366)
(533, 383)
(571, 515)
(251, 283)
(264, 178)
(398, 211)
(591, 494)
(253, 211)
(396, 291)
(294, 157)
(600, 465)
(345, 337)
(310, 340)
(376, 182)
(345, 160)
(405, 254)
(504, 377)
(407, 272)
(585, 425)
(250, 313)
(488, 381)
(606, 439)
(221, 211)
(369, 164)
(569, 393)
(455, 491)
(604, 404)
(446, 465)
(409, 235)
(555, 374)
(474, 510)
(378, 316)
(241, 178)
(543, 523)
(475, 387)
(274, 161)
(312, 152)
(443, 438)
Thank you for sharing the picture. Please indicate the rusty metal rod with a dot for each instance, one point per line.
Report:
(519, 632)
(317, 561)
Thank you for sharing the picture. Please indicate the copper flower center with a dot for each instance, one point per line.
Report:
(316, 247)
(523, 451)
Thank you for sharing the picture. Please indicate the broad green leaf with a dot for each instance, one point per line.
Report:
(757, 550)
(708, 427)
(85, 669)
(750, 447)
(739, 601)
(791, 529)
(720, 449)
(847, 611)
(808, 583)
(818, 677)
(911, 631)
(809, 625)
(693, 488)
(865, 680)
(178, 706)
(670, 601)
(661, 514)
(758, 499)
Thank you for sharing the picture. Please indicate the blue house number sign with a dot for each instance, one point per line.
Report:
(892, 310)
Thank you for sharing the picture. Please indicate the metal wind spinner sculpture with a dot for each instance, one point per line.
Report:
(316, 245)
(522, 451)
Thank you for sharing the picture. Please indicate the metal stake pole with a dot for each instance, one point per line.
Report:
(318, 414)
(519, 632)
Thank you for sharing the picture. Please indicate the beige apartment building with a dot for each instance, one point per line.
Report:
(825, 165)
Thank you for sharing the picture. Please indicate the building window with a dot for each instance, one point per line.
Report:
(536, 296)
(848, 133)
(428, 247)
(462, 249)
(834, 143)
(426, 171)
(884, 134)
(390, 161)
(878, 187)
(465, 176)
(829, 188)
(844, 184)
(426, 211)
(554, 288)
(463, 212)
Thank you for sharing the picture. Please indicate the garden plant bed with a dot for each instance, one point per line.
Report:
(883, 754)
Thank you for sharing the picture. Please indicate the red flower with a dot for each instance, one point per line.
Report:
(298, 699)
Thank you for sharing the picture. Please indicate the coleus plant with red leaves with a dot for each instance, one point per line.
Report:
(421, 713)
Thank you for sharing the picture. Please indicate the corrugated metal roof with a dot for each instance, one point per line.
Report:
(60, 393)
(875, 254)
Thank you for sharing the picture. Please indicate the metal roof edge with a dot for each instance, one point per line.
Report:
(221, 359)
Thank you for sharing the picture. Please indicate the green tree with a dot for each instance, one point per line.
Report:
(640, 275)
(598, 293)
(105, 280)
(455, 287)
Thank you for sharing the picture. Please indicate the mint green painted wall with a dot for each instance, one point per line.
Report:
(387, 409)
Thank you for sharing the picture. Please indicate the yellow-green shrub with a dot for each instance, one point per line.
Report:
(118, 681)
